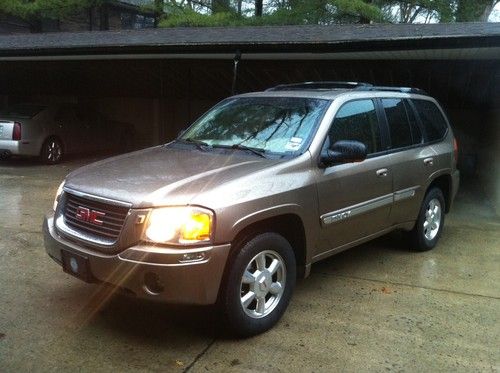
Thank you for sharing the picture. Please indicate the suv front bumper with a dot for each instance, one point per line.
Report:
(178, 280)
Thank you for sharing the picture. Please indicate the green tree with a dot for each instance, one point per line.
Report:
(322, 12)
(33, 11)
(278, 12)
(411, 11)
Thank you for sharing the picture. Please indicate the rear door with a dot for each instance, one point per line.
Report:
(411, 160)
(355, 198)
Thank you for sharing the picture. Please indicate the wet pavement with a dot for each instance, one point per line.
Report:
(377, 307)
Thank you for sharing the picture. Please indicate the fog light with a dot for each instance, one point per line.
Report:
(152, 283)
(192, 257)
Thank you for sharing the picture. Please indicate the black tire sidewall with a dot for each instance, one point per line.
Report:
(420, 242)
(239, 322)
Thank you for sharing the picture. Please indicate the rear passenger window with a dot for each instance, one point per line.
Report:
(432, 119)
(357, 120)
(397, 119)
(416, 132)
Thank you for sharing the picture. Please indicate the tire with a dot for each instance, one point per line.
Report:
(430, 222)
(269, 301)
(52, 151)
(5, 156)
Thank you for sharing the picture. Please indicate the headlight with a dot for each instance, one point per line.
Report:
(179, 225)
(58, 195)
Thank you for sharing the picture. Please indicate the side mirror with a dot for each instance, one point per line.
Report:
(344, 151)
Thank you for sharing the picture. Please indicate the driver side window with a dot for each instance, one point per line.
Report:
(358, 121)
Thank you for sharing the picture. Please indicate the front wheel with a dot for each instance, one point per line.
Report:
(52, 151)
(259, 284)
(430, 221)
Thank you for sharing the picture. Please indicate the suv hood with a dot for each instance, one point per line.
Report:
(163, 175)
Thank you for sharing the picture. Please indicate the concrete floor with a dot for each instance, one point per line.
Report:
(378, 307)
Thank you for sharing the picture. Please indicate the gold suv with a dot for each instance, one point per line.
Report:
(254, 192)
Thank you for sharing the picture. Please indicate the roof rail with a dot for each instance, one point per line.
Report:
(320, 85)
(392, 89)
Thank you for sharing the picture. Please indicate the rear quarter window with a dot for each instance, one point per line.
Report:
(432, 119)
(402, 125)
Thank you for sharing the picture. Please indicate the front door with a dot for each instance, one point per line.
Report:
(355, 198)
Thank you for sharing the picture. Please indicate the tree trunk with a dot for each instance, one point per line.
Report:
(158, 11)
(487, 11)
(474, 10)
(220, 6)
(259, 5)
(364, 19)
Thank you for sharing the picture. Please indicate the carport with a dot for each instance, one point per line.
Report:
(376, 307)
(160, 80)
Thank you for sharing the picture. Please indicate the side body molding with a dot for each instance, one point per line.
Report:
(361, 208)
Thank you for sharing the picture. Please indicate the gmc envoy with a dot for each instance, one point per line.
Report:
(253, 193)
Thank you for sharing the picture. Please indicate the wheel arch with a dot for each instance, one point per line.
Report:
(289, 225)
(444, 183)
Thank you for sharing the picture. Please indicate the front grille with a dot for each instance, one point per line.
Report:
(112, 221)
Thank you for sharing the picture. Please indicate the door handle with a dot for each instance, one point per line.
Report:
(429, 161)
(382, 172)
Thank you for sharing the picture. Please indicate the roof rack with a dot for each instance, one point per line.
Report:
(358, 86)
(319, 85)
(393, 89)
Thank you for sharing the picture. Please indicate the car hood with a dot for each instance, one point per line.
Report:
(163, 175)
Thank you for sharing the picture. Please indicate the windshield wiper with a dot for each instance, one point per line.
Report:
(256, 151)
(202, 145)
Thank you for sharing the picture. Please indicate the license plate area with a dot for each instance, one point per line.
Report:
(76, 265)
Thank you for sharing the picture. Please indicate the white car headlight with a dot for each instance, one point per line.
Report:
(179, 225)
(58, 195)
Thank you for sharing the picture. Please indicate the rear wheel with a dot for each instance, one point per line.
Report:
(259, 284)
(429, 226)
(52, 151)
(5, 156)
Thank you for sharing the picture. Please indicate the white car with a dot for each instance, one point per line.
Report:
(52, 131)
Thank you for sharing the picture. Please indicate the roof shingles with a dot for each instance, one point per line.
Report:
(269, 38)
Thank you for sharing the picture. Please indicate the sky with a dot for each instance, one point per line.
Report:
(495, 15)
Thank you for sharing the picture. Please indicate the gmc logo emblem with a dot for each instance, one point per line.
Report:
(89, 216)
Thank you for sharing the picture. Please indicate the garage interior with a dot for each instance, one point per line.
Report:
(163, 88)
(377, 307)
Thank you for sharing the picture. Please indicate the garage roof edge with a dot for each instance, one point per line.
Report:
(268, 39)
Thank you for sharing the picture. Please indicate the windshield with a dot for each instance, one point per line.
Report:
(271, 124)
(23, 110)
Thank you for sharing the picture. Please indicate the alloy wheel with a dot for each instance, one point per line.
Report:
(54, 151)
(432, 220)
(262, 284)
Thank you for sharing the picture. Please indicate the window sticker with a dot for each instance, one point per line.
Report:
(294, 143)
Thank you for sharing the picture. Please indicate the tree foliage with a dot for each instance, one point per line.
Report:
(200, 13)
(37, 9)
(322, 12)
(171, 13)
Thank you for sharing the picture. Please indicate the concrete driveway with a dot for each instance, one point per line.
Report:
(378, 307)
